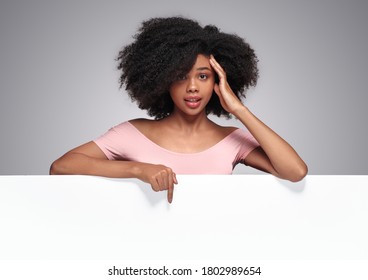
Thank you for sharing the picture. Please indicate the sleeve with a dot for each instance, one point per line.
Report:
(245, 143)
(113, 142)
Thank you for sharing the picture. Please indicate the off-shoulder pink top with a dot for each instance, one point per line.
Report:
(126, 142)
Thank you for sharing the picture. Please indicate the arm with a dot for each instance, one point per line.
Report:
(88, 159)
(274, 155)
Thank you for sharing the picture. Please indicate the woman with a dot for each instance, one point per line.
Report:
(180, 72)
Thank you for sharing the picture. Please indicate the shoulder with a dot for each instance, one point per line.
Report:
(143, 125)
(141, 122)
(129, 126)
(225, 131)
(238, 136)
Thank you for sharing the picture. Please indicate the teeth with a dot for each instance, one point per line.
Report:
(192, 100)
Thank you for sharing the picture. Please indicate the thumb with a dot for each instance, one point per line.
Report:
(216, 88)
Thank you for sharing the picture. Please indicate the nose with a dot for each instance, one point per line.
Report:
(192, 86)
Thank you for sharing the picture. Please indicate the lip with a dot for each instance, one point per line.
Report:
(193, 102)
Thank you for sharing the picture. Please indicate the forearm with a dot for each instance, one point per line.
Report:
(81, 164)
(278, 157)
(285, 161)
(158, 176)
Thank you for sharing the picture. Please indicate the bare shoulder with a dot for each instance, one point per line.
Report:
(141, 122)
(225, 130)
(143, 125)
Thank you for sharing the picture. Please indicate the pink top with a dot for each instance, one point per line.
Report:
(126, 142)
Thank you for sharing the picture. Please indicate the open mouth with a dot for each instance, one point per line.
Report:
(193, 102)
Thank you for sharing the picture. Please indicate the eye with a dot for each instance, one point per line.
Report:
(203, 76)
(181, 78)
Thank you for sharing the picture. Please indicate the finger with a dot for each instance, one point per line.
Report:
(159, 182)
(214, 65)
(165, 180)
(221, 75)
(170, 177)
(154, 185)
(170, 193)
(217, 90)
(174, 178)
(215, 62)
(219, 70)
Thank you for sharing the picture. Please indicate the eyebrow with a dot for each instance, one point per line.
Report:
(203, 68)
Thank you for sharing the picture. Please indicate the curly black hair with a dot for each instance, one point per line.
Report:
(166, 48)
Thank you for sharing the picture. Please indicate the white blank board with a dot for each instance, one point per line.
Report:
(225, 217)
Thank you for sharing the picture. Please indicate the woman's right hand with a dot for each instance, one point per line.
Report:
(160, 178)
(88, 159)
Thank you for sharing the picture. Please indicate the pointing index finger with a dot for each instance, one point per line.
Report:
(170, 190)
(170, 193)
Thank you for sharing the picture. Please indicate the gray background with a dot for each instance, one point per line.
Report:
(59, 84)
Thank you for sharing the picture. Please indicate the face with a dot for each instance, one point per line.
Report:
(192, 92)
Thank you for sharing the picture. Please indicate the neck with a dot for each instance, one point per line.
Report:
(187, 123)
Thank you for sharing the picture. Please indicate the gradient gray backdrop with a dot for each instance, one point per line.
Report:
(59, 86)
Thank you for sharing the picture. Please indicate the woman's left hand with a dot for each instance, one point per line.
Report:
(229, 101)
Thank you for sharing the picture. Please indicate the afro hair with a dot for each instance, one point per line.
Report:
(166, 48)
